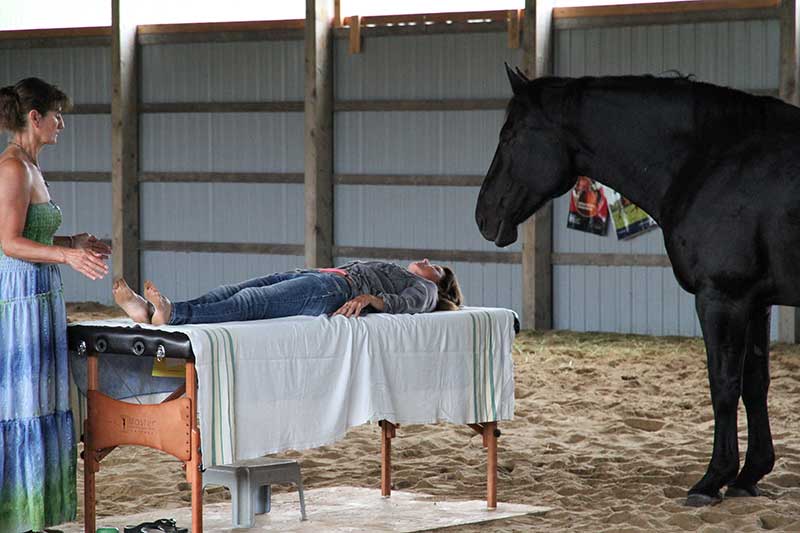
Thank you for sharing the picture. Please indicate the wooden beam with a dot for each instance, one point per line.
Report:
(90, 109)
(362, 252)
(426, 180)
(219, 32)
(650, 19)
(223, 247)
(223, 107)
(79, 176)
(355, 35)
(788, 319)
(611, 260)
(221, 177)
(447, 256)
(56, 37)
(124, 143)
(318, 117)
(442, 104)
(661, 8)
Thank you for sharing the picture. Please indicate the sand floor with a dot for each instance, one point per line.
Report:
(610, 431)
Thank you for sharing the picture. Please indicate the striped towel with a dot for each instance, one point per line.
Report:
(300, 382)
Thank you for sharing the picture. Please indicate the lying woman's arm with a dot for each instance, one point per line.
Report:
(418, 298)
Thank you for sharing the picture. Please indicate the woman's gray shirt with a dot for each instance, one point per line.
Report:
(400, 290)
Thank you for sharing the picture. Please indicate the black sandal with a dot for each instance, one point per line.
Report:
(164, 525)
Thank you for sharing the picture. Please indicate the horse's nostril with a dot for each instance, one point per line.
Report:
(479, 219)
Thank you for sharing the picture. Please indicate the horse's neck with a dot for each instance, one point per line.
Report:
(635, 143)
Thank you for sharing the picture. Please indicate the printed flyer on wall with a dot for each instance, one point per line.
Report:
(629, 219)
(588, 208)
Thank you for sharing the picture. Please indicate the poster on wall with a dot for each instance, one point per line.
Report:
(629, 219)
(588, 207)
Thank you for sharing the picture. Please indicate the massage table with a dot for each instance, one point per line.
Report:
(260, 387)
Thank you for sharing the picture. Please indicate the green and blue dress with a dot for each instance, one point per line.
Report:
(37, 445)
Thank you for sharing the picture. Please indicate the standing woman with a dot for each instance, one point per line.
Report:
(37, 446)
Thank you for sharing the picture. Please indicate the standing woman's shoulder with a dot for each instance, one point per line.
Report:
(14, 177)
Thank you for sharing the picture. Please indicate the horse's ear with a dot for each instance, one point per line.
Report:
(517, 80)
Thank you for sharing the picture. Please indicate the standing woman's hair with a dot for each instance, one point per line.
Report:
(16, 101)
(450, 296)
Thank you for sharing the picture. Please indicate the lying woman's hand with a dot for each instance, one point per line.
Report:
(89, 263)
(356, 305)
(87, 241)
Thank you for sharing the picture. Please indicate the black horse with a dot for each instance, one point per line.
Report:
(719, 170)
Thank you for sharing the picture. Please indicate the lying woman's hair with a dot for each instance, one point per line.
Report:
(450, 296)
(16, 101)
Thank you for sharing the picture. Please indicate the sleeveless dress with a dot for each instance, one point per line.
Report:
(37, 445)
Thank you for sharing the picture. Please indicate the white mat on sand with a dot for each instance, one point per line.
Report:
(339, 509)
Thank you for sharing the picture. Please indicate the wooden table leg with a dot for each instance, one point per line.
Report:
(490, 441)
(387, 433)
(194, 474)
(90, 465)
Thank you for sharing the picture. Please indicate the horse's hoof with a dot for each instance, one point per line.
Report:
(742, 491)
(697, 499)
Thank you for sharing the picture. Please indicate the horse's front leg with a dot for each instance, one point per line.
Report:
(724, 322)
(760, 456)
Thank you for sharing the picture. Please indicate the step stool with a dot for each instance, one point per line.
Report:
(250, 485)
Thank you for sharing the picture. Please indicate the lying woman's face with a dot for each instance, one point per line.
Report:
(426, 270)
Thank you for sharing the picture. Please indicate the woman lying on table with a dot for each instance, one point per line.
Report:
(347, 290)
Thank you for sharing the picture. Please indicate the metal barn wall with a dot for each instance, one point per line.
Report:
(420, 67)
(742, 54)
(84, 73)
(220, 142)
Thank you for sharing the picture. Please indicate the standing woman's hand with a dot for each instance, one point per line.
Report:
(87, 241)
(86, 261)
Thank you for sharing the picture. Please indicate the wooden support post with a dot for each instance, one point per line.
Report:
(90, 464)
(318, 115)
(537, 232)
(514, 16)
(355, 34)
(337, 13)
(788, 324)
(124, 143)
(388, 432)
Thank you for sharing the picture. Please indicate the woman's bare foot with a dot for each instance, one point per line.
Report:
(161, 303)
(134, 305)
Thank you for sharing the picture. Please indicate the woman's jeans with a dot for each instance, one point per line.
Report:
(305, 292)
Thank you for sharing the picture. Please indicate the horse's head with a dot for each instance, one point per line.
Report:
(532, 164)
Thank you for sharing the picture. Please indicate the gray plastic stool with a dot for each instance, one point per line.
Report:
(249, 482)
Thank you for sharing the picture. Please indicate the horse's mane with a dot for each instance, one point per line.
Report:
(725, 108)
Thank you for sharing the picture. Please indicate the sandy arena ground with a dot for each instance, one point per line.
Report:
(610, 431)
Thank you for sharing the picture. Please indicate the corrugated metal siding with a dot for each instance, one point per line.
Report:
(743, 54)
(409, 217)
(222, 212)
(233, 72)
(220, 142)
(84, 73)
(434, 142)
(426, 66)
